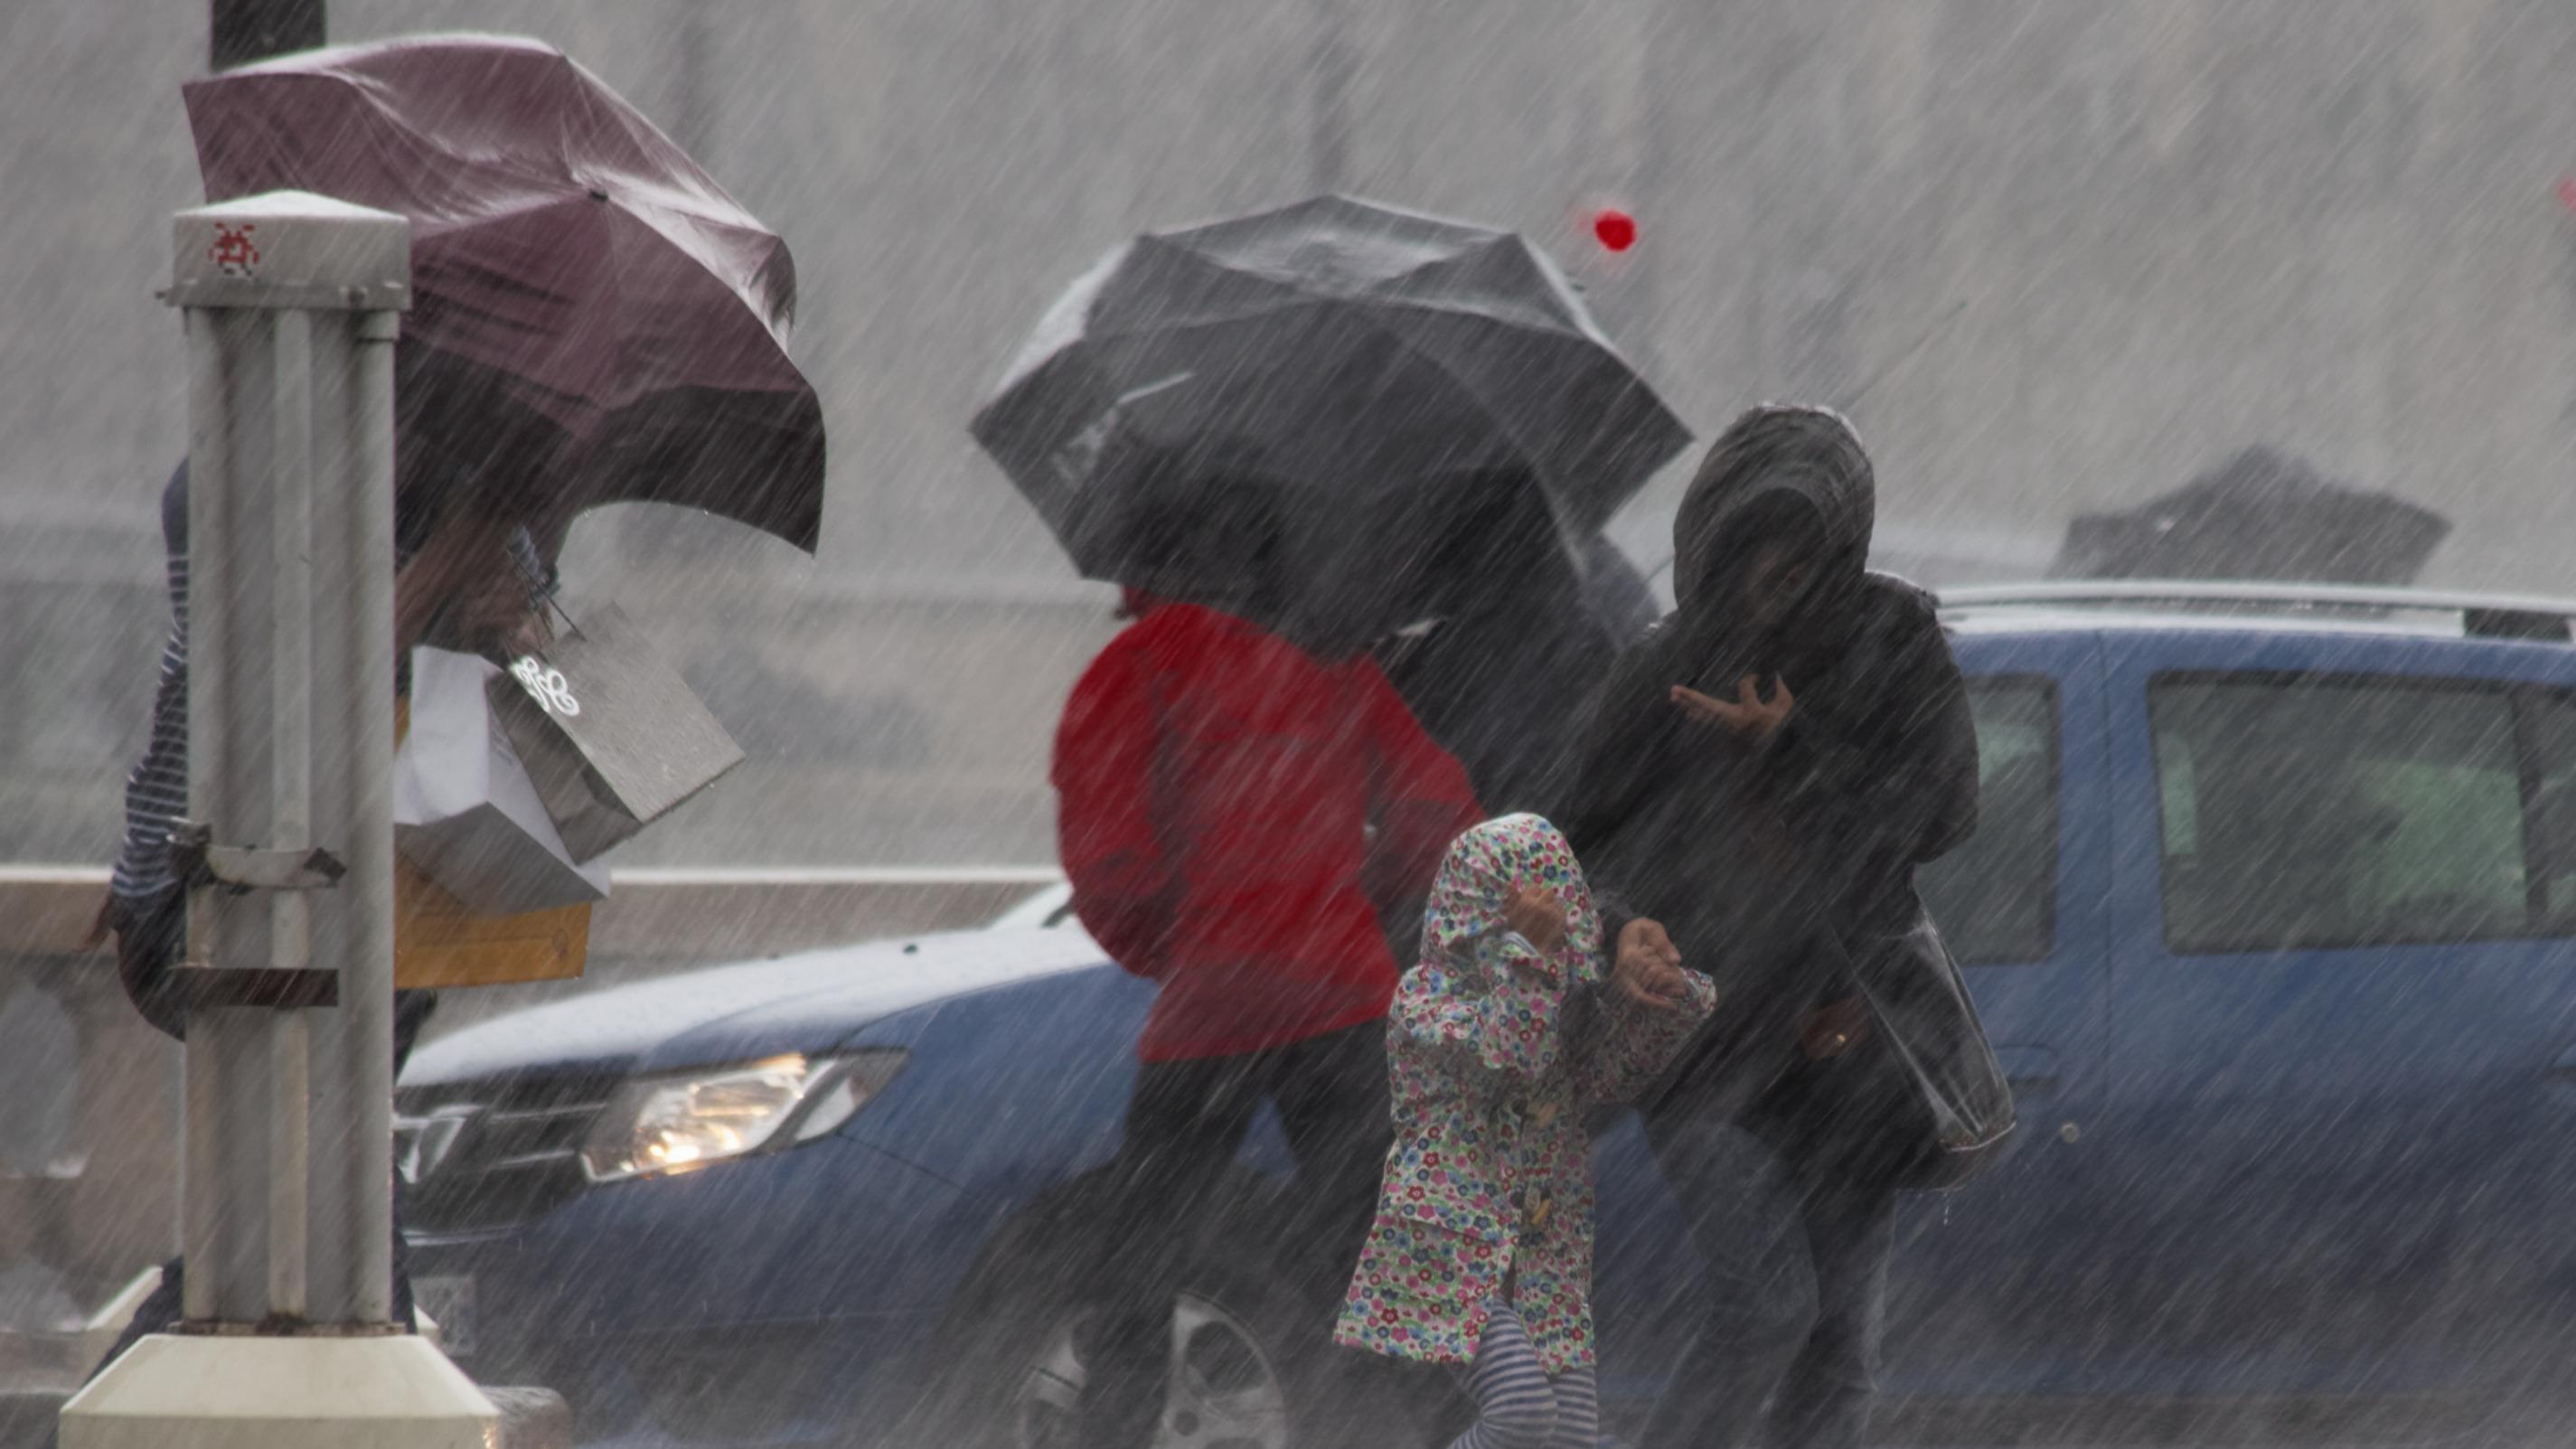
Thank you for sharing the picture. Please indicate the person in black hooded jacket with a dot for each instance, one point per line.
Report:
(1762, 775)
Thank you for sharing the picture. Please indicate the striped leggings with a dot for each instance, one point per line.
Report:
(1517, 1405)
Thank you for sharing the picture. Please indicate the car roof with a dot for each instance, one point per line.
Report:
(2087, 606)
(1984, 622)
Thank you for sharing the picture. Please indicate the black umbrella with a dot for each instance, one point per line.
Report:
(1505, 674)
(1276, 413)
(2260, 515)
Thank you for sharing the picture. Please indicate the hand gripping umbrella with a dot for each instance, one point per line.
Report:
(571, 267)
(1285, 413)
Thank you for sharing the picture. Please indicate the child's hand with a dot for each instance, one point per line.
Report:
(1538, 916)
(1648, 967)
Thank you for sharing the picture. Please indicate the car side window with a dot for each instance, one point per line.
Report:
(2549, 742)
(1995, 897)
(2311, 813)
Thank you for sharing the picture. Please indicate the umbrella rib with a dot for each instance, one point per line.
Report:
(1369, 314)
(1513, 422)
(576, 325)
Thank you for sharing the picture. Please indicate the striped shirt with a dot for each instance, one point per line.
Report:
(156, 793)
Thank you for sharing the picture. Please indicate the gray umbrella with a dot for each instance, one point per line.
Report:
(1311, 393)
(2262, 514)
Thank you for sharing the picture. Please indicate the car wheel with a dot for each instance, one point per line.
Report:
(1228, 1387)
(1249, 1369)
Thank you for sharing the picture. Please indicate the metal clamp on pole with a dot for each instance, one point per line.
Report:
(236, 870)
(199, 861)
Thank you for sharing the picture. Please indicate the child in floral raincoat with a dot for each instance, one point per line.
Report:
(1500, 1040)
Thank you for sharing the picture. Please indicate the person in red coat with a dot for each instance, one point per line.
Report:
(1234, 811)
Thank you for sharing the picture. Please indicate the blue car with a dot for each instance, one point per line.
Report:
(2269, 918)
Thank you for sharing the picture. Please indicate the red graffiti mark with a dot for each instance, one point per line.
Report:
(233, 250)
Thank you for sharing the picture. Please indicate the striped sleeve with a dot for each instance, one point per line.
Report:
(156, 793)
(533, 569)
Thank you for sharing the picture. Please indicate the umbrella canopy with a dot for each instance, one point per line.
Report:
(2260, 515)
(1340, 376)
(1504, 678)
(570, 264)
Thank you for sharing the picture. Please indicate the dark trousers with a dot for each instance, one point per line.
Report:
(1185, 1123)
(1796, 1247)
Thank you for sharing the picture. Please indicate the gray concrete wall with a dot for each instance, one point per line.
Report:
(2065, 255)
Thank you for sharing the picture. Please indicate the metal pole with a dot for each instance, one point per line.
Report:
(693, 94)
(209, 454)
(241, 31)
(352, 1252)
(292, 303)
(231, 781)
(291, 700)
(1335, 69)
(289, 1135)
(371, 817)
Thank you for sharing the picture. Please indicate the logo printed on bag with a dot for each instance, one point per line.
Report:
(546, 685)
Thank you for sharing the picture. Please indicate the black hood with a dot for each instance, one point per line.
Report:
(1810, 454)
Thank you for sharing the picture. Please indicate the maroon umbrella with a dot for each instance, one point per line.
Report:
(569, 264)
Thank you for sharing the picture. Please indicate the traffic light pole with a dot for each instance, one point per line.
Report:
(292, 303)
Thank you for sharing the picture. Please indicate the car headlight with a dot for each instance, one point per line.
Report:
(690, 1119)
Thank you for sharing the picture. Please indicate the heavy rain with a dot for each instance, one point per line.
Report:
(1237, 724)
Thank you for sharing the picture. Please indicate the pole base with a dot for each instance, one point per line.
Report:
(190, 1391)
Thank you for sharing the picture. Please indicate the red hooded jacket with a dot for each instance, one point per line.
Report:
(1216, 787)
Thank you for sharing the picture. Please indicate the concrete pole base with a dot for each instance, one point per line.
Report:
(190, 1391)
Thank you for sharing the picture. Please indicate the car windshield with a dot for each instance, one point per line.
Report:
(2310, 813)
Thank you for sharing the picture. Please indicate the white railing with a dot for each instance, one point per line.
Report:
(711, 913)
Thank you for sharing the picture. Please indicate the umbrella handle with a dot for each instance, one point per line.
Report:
(555, 606)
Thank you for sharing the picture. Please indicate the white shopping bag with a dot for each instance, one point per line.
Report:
(610, 733)
(465, 811)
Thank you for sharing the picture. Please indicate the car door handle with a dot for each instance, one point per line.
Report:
(2031, 1071)
(2028, 1068)
(2564, 1069)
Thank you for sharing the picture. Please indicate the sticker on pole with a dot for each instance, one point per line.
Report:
(547, 686)
(233, 252)
(290, 249)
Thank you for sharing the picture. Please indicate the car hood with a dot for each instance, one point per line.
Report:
(803, 1003)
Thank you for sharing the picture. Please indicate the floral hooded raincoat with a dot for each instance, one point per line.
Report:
(1496, 1050)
